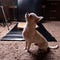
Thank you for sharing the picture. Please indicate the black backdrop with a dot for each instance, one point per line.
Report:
(28, 6)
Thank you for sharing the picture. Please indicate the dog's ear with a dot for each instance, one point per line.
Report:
(40, 18)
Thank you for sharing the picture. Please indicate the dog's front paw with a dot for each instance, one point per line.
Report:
(27, 50)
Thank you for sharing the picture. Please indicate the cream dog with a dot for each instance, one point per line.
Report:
(31, 35)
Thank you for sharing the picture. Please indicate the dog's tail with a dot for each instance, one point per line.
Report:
(54, 47)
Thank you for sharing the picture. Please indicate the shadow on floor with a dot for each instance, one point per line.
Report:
(41, 56)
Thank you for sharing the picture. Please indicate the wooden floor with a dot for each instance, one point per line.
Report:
(14, 50)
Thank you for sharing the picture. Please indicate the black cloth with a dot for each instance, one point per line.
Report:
(45, 33)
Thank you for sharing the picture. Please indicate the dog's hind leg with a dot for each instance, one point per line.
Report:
(28, 45)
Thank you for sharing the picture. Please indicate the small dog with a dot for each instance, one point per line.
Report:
(31, 35)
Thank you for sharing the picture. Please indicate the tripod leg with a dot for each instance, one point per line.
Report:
(5, 17)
